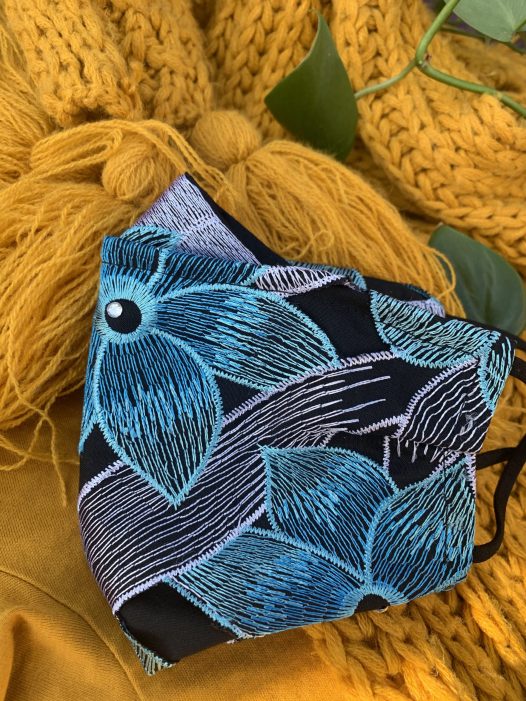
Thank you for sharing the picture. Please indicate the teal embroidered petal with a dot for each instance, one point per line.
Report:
(248, 584)
(460, 514)
(153, 235)
(159, 409)
(253, 337)
(494, 369)
(326, 497)
(407, 539)
(88, 411)
(182, 270)
(426, 339)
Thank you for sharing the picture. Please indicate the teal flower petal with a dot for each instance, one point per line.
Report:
(460, 512)
(88, 411)
(326, 497)
(182, 270)
(425, 339)
(159, 409)
(153, 235)
(253, 337)
(494, 369)
(260, 583)
(407, 545)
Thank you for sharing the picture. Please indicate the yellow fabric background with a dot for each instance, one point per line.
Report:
(59, 640)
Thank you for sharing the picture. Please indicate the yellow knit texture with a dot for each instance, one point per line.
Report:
(104, 102)
(457, 157)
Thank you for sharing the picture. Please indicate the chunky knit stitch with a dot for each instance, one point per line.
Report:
(129, 59)
(457, 157)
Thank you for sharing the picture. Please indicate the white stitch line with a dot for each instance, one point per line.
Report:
(100, 477)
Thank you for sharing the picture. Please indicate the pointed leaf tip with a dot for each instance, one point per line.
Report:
(490, 289)
(498, 19)
(316, 101)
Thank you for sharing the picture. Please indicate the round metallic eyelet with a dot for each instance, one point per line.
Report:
(114, 310)
(123, 315)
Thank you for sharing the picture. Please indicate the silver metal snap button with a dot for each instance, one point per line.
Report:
(114, 310)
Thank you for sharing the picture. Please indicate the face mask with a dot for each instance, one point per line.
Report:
(267, 444)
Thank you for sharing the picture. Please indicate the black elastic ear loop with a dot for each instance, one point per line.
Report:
(500, 500)
(494, 457)
(516, 457)
(516, 460)
(518, 369)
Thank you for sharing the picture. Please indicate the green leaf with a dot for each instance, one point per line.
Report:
(498, 19)
(316, 101)
(489, 288)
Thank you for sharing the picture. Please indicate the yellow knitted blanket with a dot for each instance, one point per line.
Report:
(104, 102)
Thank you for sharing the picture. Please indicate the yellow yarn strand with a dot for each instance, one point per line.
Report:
(53, 219)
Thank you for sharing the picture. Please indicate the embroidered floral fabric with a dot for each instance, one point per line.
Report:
(267, 444)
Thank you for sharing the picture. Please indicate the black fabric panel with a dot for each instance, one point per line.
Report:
(233, 394)
(360, 444)
(398, 290)
(344, 314)
(165, 622)
(262, 522)
(96, 456)
(405, 466)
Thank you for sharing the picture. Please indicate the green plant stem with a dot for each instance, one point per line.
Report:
(421, 62)
(386, 83)
(440, 19)
(472, 87)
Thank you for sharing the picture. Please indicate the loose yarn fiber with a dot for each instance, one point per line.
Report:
(104, 102)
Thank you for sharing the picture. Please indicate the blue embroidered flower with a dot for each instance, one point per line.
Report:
(341, 532)
(425, 339)
(161, 336)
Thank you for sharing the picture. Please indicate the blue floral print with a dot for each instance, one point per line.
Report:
(151, 387)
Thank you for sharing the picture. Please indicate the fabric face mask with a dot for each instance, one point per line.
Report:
(268, 444)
